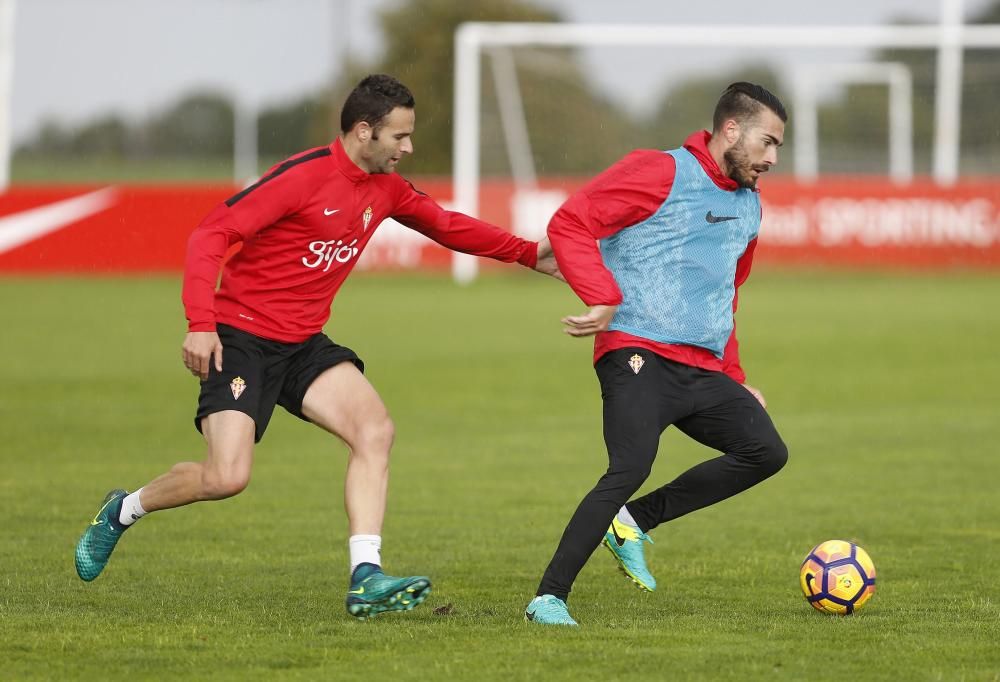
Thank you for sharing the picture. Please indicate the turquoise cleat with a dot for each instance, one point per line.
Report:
(625, 543)
(97, 542)
(372, 592)
(548, 609)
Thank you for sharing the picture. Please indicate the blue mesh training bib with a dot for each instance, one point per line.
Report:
(677, 268)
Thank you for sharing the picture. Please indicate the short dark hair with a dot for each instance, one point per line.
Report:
(743, 101)
(372, 100)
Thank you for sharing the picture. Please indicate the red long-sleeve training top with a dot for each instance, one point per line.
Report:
(302, 228)
(624, 195)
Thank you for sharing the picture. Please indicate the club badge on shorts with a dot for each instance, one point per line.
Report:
(237, 386)
(367, 218)
(636, 362)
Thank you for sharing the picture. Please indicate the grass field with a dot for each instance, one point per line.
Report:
(883, 386)
(96, 169)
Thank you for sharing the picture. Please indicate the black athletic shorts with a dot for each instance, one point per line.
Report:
(259, 373)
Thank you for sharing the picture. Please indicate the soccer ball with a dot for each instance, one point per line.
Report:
(837, 577)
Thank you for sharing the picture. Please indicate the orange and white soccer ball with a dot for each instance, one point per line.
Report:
(837, 577)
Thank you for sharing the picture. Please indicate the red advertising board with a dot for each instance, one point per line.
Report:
(862, 222)
(875, 222)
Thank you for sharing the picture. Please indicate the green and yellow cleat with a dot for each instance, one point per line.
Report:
(97, 542)
(372, 592)
(625, 543)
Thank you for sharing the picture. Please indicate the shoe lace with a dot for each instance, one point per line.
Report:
(554, 605)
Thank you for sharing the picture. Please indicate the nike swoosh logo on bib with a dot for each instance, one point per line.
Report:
(719, 218)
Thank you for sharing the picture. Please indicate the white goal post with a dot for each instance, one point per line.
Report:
(950, 38)
(806, 129)
(6, 83)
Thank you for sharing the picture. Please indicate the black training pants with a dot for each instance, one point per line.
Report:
(638, 406)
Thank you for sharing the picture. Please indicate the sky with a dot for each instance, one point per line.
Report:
(74, 60)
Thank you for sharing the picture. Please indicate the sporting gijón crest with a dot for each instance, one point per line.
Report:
(237, 386)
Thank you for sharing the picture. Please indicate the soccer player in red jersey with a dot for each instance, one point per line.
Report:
(677, 231)
(258, 340)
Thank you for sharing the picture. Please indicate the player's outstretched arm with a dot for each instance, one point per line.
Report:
(465, 234)
(596, 320)
(199, 349)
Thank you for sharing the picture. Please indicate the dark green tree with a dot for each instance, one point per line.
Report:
(106, 136)
(289, 128)
(570, 128)
(51, 138)
(200, 124)
(420, 39)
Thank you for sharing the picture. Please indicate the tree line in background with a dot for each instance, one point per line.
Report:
(573, 129)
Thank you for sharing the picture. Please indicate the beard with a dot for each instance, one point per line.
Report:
(384, 167)
(381, 164)
(740, 168)
(380, 160)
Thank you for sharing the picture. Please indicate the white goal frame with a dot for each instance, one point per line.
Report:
(951, 37)
(7, 13)
(806, 129)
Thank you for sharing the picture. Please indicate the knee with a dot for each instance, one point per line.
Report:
(637, 476)
(218, 484)
(765, 455)
(626, 480)
(374, 437)
(774, 455)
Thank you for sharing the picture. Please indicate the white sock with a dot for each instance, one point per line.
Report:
(626, 518)
(365, 549)
(132, 509)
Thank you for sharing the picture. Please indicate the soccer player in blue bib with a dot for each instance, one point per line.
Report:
(657, 246)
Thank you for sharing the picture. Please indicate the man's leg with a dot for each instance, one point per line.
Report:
(635, 415)
(224, 473)
(729, 419)
(343, 402)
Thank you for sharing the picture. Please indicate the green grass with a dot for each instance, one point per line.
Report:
(90, 170)
(883, 386)
(84, 169)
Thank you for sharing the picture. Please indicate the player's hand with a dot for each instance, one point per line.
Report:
(756, 394)
(547, 260)
(199, 349)
(596, 320)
